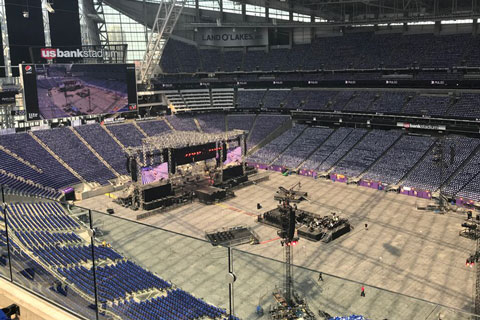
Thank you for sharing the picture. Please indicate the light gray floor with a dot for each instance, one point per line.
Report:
(415, 253)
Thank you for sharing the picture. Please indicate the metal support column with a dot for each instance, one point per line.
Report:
(222, 15)
(85, 33)
(243, 144)
(92, 239)
(4, 209)
(267, 10)
(231, 305)
(46, 25)
(477, 282)
(220, 146)
(288, 274)
(5, 41)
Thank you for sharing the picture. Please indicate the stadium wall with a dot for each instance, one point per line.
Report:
(304, 35)
(31, 306)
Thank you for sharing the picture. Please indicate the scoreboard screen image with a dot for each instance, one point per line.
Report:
(66, 90)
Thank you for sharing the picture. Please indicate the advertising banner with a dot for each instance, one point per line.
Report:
(421, 126)
(7, 97)
(28, 76)
(232, 37)
(83, 54)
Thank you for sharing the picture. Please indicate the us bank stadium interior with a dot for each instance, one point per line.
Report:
(251, 159)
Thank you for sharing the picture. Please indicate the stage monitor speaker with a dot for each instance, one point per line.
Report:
(69, 194)
(156, 193)
(232, 172)
(210, 194)
(225, 152)
(291, 224)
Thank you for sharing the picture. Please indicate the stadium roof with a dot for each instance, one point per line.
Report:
(350, 10)
(345, 12)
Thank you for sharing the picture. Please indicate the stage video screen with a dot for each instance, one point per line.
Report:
(155, 173)
(196, 153)
(66, 90)
(234, 155)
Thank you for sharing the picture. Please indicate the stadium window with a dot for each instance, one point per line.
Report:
(190, 4)
(461, 21)
(121, 29)
(278, 14)
(301, 17)
(232, 7)
(209, 5)
(256, 11)
(420, 23)
(362, 25)
(318, 19)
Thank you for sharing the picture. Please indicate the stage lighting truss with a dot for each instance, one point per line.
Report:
(180, 139)
(155, 146)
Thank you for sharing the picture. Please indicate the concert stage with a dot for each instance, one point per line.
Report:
(172, 169)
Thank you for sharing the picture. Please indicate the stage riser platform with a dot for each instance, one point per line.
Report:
(231, 237)
(209, 195)
(276, 219)
(155, 209)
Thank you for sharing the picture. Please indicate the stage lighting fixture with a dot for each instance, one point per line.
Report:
(49, 7)
(26, 13)
(291, 243)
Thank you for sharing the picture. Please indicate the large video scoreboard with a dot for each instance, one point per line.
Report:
(67, 90)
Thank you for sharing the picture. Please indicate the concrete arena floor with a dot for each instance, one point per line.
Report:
(415, 253)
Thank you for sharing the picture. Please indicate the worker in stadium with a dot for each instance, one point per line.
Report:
(320, 276)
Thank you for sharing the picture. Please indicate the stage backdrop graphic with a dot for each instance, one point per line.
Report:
(232, 37)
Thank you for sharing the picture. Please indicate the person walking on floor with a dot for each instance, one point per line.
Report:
(362, 294)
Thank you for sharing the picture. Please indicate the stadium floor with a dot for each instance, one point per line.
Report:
(416, 253)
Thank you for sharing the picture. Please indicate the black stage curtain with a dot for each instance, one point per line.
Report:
(24, 32)
(65, 24)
